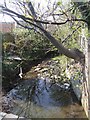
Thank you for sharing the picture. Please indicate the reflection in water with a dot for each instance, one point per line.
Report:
(36, 99)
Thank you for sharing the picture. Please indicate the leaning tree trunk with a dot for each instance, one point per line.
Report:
(74, 53)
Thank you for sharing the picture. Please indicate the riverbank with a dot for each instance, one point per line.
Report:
(50, 94)
(11, 70)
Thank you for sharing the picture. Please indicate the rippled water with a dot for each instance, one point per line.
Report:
(36, 99)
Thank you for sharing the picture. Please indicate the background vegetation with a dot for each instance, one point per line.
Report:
(32, 47)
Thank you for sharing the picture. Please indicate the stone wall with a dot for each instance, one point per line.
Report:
(85, 100)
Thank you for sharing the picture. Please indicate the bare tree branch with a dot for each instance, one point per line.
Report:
(71, 34)
(39, 21)
(75, 54)
(62, 49)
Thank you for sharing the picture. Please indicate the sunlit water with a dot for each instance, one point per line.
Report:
(43, 101)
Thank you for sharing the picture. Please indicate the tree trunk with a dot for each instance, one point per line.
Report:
(74, 53)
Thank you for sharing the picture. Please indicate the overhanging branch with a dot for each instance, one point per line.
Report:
(71, 34)
(75, 54)
(69, 53)
(33, 19)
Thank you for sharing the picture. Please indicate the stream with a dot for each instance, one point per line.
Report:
(39, 98)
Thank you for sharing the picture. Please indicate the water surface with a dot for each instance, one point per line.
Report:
(37, 99)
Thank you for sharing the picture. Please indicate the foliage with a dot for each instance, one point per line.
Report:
(27, 45)
(53, 70)
(67, 37)
(10, 73)
(30, 45)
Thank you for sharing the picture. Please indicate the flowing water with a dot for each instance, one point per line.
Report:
(38, 99)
